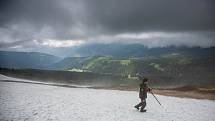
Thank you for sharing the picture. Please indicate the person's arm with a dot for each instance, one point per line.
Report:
(149, 89)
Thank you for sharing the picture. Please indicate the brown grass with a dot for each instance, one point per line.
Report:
(187, 91)
(187, 94)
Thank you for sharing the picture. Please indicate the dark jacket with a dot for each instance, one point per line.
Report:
(143, 90)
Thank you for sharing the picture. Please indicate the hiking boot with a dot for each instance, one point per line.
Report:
(142, 110)
(136, 107)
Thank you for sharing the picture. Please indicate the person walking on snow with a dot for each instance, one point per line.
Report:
(143, 95)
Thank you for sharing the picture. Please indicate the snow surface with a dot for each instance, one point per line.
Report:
(11, 79)
(27, 101)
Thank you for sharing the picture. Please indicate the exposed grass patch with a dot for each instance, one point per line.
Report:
(94, 61)
(76, 70)
(157, 66)
(125, 62)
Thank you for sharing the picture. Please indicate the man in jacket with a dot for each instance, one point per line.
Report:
(143, 95)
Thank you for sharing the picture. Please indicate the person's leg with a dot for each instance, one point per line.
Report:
(143, 105)
(139, 105)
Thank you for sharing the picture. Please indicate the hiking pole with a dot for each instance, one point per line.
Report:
(155, 97)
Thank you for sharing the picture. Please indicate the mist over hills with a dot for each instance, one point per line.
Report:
(137, 50)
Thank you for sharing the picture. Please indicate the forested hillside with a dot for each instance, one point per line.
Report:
(170, 68)
(26, 60)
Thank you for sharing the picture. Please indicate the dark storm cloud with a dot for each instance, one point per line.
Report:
(138, 15)
(37, 12)
(35, 16)
(114, 15)
(107, 21)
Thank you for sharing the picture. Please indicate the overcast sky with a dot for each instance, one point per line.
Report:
(32, 25)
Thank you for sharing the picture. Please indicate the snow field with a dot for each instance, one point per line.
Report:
(35, 102)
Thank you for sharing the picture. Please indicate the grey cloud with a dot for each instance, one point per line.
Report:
(112, 15)
(161, 39)
(22, 21)
(164, 15)
(40, 14)
(12, 44)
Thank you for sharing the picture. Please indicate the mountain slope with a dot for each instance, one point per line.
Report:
(172, 68)
(26, 59)
(172, 65)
